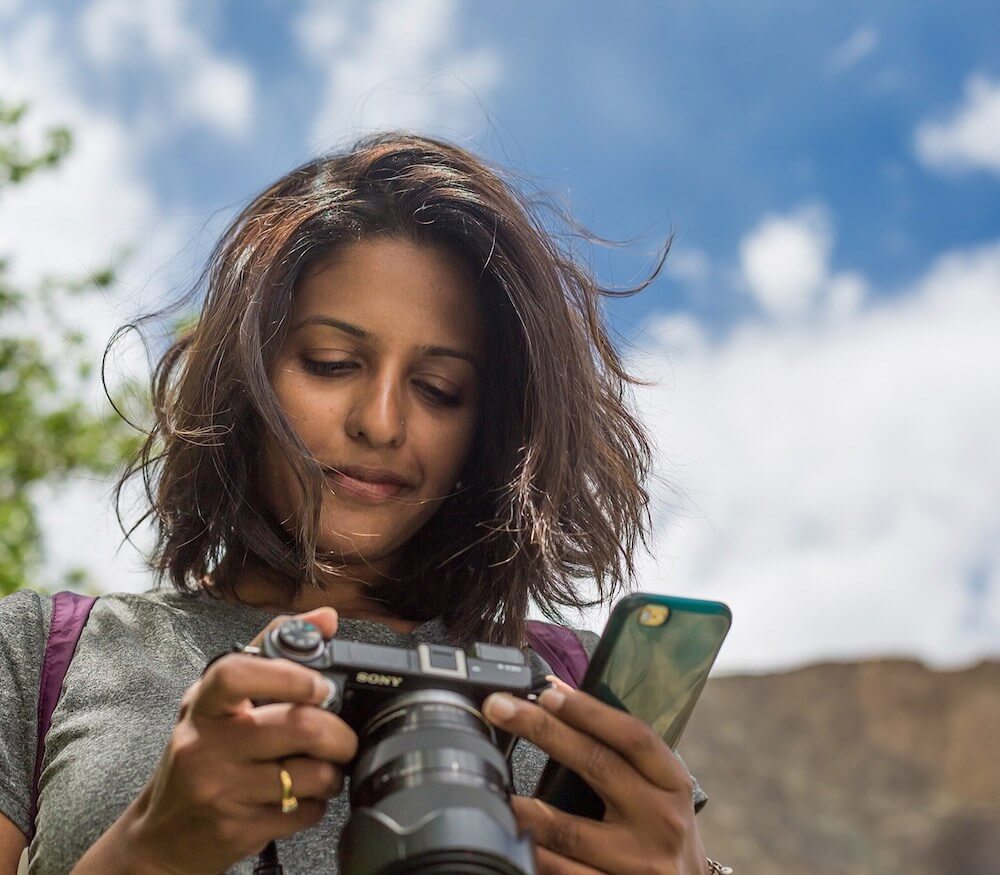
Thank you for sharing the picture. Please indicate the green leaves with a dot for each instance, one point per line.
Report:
(47, 433)
(16, 164)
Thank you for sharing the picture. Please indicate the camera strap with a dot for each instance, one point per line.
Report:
(70, 611)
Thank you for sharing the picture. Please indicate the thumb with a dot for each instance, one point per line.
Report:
(325, 619)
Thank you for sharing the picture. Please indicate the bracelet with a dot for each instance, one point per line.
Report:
(718, 869)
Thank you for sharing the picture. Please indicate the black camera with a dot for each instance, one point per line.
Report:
(430, 787)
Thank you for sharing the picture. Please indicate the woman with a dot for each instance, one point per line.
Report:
(399, 416)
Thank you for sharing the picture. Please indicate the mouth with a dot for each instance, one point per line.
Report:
(368, 484)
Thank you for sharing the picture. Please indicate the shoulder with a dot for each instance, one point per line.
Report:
(561, 637)
(25, 615)
(169, 628)
(588, 639)
(559, 650)
(23, 604)
(159, 612)
(24, 620)
(120, 628)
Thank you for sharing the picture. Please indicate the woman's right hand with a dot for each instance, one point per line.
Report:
(215, 797)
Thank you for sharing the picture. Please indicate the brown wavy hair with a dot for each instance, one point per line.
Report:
(554, 487)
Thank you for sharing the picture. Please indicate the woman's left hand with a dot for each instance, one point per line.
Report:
(649, 824)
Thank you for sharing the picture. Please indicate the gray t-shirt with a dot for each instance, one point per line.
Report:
(136, 657)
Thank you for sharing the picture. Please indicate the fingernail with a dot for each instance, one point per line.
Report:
(315, 613)
(499, 707)
(552, 699)
(557, 682)
(326, 690)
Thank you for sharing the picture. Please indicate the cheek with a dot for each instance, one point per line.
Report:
(278, 484)
(450, 450)
(313, 415)
(308, 422)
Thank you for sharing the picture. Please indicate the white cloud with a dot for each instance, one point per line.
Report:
(841, 475)
(73, 218)
(158, 35)
(839, 457)
(845, 294)
(970, 138)
(785, 265)
(688, 265)
(858, 46)
(394, 64)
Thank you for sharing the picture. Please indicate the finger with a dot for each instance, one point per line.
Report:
(278, 730)
(628, 735)
(271, 821)
(258, 639)
(324, 619)
(578, 839)
(611, 776)
(234, 679)
(311, 779)
(550, 863)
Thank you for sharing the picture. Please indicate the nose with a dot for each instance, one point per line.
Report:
(376, 413)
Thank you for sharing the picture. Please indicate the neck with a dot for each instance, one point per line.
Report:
(343, 592)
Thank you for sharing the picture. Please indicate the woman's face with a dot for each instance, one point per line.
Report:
(379, 376)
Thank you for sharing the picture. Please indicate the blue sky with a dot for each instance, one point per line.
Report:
(824, 332)
(650, 116)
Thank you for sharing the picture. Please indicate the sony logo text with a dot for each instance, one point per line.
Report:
(382, 680)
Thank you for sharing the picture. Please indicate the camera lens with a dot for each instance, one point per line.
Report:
(429, 793)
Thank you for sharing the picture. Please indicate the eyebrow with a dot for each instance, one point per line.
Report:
(360, 333)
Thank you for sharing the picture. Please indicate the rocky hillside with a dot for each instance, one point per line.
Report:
(866, 768)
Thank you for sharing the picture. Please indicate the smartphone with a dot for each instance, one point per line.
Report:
(652, 661)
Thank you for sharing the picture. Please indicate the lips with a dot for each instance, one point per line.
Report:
(370, 484)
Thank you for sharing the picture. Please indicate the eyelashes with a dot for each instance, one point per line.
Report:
(326, 369)
(340, 368)
(444, 399)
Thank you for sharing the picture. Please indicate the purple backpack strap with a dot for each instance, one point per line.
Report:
(561, 649)
(70, 611)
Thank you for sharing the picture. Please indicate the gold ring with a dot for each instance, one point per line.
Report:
(288, 802)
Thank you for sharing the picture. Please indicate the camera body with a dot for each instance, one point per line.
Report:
(364, 677)
(430, 787)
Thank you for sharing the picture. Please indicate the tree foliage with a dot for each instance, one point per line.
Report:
(48, 433)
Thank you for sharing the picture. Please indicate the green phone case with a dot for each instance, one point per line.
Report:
(654, 670)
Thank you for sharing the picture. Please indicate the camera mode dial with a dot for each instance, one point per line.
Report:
(299, 639)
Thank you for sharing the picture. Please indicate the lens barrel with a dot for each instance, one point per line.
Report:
(430, 794)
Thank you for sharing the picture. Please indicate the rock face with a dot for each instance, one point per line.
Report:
(869, 768)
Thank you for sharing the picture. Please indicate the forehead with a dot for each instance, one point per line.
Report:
(394, 288)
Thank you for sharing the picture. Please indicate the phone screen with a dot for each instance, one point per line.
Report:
(652, 661)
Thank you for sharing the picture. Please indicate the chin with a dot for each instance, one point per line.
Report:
(386, 540)
(337, 548)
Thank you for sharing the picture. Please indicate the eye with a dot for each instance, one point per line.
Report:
(438, 396)
(327, 368)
